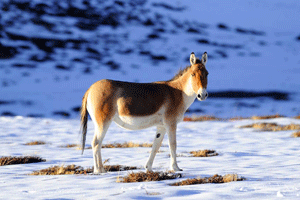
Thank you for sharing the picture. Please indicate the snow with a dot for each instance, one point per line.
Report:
(263, 58)
(268, 160)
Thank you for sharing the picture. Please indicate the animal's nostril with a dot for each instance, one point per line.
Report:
(199, 96)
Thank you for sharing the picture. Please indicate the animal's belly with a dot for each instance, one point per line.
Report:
(138, 122)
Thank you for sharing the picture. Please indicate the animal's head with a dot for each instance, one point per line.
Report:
(199, 76)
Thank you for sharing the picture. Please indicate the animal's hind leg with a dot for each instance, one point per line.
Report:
(100, 131)
(160, 133)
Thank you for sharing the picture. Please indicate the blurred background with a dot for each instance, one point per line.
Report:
(52, 51)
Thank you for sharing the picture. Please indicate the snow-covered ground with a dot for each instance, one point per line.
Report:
(55, 50)
(269, 161)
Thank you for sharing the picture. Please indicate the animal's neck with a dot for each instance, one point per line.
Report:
(184, 84)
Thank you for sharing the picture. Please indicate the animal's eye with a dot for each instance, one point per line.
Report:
(193, 74)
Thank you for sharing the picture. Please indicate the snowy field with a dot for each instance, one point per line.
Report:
(52, 51)
(268, 160)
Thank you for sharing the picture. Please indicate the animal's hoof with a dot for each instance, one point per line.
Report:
(148, 169)
(99, 171)
(176, 169)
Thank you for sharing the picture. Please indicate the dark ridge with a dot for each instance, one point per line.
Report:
(168, 7)
(176, 23)
(160, 30)
(113, 65)
(47, 44)
(40, 22)
(192, 30)
(216, 44)
(263, 43)
(153, 36)
(222, 53)
(222, 26)
(87, 70)
(251, 32)
(61, 113)
(148, 22)
(245, 105)
(8, 114)
(126, 51)
(281, 96)
(158, 57)
(197, 110)
(7, 52)
(62, 67)
(120, 3)
(27, 66)
(93, 51)
(145, 52)
(35, 115)
(6, 102)
(76, 108)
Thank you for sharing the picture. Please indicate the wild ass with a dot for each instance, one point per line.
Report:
(136, 106)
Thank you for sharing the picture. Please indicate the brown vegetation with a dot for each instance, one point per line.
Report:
(267, 117)
(204, 153)
(73, 169)
(296, 134)
(213, 179)
(213, 118)
(35, 143)
(257, 117)
(20, 160)
(148, 176)
(70, 146)
(272, 126)
(201, 118)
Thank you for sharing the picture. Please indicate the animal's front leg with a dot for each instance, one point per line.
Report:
(160, 133)
(173, 146)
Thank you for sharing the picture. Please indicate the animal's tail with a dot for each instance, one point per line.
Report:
(84, 120)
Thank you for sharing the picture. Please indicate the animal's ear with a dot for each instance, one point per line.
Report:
(204, 58)
(193, 58)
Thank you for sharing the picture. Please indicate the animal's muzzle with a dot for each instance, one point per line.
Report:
(202, 95)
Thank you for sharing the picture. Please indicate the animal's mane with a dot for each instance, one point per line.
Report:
(182, 71)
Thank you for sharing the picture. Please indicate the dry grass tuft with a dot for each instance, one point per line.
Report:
(62, 170)
(78, 146)
(297, 117)
(257, 117)
(267, 117)
(126, 145)
(20, 160)
(204, 153)
(35, 143)
(71, 146)
(296, 134)
(272, 127)
(149, 176)
(73, 169)
(213, 179)
(201, 118)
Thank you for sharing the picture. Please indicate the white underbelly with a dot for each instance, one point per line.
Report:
(136, 123)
